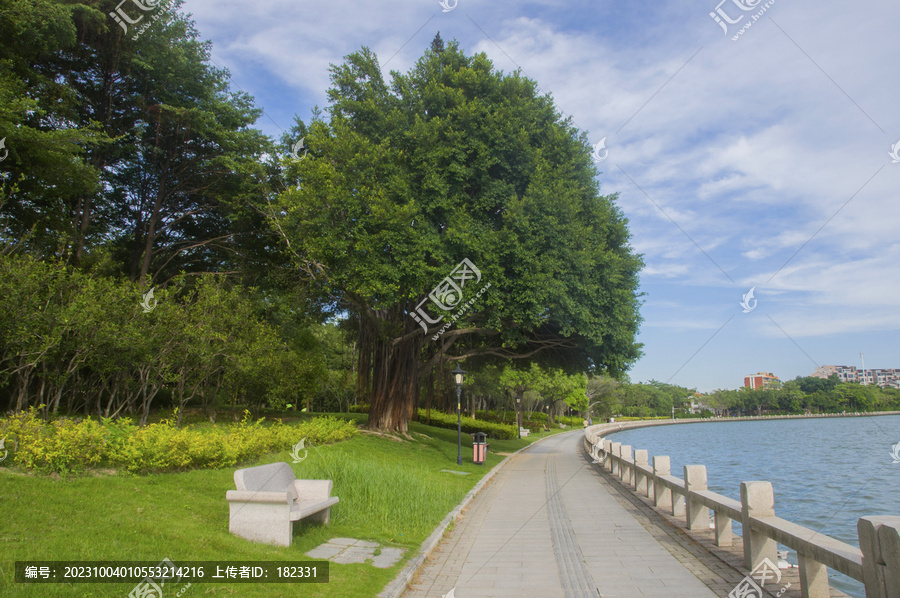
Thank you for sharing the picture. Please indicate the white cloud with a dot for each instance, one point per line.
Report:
(750, 148)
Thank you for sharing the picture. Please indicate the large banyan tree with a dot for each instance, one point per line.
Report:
(454, 213)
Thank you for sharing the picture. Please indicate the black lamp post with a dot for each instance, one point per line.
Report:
(458, 375)
(519, 415)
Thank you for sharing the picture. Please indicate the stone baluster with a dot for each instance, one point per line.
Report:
(662, 496)
(697, 514)
(879, 541)
(640, 478)
(626, 472)
(617, 454)
(757, 500)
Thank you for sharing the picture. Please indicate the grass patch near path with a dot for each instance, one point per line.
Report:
(393, 493)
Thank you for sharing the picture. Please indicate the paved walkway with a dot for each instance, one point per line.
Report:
(550, 525)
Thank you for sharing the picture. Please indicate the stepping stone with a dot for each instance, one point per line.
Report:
(346, 551)
(354, 554)
(324, 551)
(387, 558)
(456, 472)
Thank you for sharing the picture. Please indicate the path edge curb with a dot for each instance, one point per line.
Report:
(399, 584)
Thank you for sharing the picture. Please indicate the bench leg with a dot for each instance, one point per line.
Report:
(266, 523)
(323, 516)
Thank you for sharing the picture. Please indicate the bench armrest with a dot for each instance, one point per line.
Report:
(313, 490)
(260, 496)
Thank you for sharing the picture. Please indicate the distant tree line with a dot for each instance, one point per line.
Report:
(802, 395)
(806, 394)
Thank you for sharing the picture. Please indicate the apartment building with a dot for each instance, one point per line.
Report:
(884, 377)
(761, 380)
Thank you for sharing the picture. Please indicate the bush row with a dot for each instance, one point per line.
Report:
(469, 425)
(68, 445)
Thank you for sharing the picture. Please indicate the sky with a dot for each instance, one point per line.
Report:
(753, 154)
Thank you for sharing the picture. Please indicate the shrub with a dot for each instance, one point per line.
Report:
(469, 425)
(68, 445)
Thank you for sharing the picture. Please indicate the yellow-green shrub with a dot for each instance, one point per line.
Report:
(70, 445)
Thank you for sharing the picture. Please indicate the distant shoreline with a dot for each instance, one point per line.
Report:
(606, 428)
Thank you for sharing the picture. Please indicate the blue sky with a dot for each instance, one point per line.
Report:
(757, 162)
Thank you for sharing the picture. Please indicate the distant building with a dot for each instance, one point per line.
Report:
(697, 404)
(761, 380)
(885, 378)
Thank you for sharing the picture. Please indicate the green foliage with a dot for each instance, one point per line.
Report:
(469, 425)
(80, 342)
(647, 399)
(451, 160)
(68, 445)
(806, 395)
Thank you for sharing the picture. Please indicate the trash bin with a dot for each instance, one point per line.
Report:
(478, 448)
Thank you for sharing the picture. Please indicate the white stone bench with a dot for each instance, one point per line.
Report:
(269, 499)
(524, 431)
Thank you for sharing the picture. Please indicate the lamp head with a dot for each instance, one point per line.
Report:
(458, 375)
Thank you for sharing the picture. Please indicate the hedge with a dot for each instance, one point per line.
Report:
(69, 445)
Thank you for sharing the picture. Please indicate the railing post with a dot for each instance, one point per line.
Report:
(879, 541)
(616, 454)
(640, 478)
(595, 447)
(662, 496)
(677, 504)
(757, 500)
(607, 455)
(813, 578)
(724, 537)
(625, 471)
(697, 514)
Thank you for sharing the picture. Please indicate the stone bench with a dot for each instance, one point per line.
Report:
(269, 499)
(524, 432)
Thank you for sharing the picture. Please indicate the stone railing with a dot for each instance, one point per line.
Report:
(876, 563)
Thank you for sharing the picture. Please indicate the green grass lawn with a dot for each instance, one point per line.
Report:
(390, 492)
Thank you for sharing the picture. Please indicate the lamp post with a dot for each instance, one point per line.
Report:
(458, 376)
(518, 416)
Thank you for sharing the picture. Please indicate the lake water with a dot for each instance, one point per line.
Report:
(826, 472)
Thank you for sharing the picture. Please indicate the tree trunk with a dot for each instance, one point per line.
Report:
(389, 370)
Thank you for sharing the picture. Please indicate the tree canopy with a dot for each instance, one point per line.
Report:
(456, 161)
